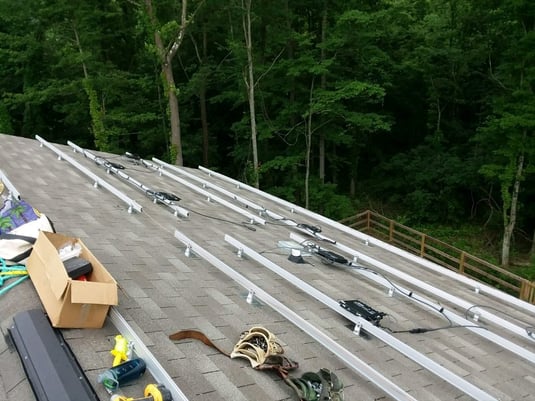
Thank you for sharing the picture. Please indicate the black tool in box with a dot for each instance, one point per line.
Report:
(77, 267)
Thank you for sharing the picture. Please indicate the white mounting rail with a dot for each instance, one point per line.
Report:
(435, 291)
(427, 303)
(207, 184)
(471, 283)
(205, 193)
(347, 357)
(132, 204)
(429, 364)
(141, 350)
(109, 168)
(12, 191)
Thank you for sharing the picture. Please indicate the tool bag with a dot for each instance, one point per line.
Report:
(317, 386)
(17, 244)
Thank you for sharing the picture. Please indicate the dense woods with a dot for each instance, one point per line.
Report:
(420, 109)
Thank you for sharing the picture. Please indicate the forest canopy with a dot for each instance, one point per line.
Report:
(420, 109)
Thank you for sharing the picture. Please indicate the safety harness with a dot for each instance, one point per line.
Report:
(264, 352)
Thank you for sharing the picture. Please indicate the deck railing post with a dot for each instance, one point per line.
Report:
(461, 262)
(422, 246)
(391, 231)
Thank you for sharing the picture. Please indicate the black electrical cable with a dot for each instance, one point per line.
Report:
(336, 258)
(244, 224)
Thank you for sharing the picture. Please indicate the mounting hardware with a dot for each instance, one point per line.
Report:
(239, 253)
(357, 328)
(187, 252)
(476, 290)
(250, 297)
(391, 292)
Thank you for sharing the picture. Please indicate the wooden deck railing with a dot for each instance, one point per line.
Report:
(441, 253)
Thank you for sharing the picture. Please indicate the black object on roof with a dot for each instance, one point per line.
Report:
(51, 367)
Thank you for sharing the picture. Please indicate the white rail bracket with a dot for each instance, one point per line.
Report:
(358, 327)
(250, 297)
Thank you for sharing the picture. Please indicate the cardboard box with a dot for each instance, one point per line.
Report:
(70, 303)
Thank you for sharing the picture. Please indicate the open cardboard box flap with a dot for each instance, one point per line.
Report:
(70, 303)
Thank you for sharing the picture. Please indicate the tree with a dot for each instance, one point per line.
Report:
(176, 30)
(508, 133)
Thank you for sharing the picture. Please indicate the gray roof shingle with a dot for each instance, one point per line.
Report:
(161, 291)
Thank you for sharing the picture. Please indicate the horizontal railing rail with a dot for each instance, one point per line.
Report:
(440, 252)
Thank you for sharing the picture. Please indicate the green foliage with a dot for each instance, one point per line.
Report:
(5, 120)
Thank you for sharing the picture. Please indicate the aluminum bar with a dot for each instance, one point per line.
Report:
(207, 184)
(154, 367)
(422, 360)
(12, 191)
(434, 290)
(483, 288)
(429, 304)
(347, 357)
(132, 204)
(207, 194)
(111, 169)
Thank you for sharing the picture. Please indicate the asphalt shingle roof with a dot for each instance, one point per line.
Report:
(161, 291)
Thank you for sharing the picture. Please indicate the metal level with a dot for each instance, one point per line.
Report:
(429, 304)
(12, 191)
(471, 283)
(465, 305)
(208, 195)
(422, 360)
(141, 350)
(111, 169)
(347, 357)
(132, 204)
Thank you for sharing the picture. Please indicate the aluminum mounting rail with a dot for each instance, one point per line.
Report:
(208, 195)
(12, 191)
(347, 357)
(132, 204)
(422, 360)
(481, 287)
(429, 304)
(207, 184)
(154, 367)
(111, 169)
(434, 290)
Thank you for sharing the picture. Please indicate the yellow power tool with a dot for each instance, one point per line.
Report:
(153, 392)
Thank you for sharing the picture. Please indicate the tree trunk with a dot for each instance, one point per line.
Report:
(166, 57)
(321, 150)
(308, 145)
(250, 83)
(202, 101)
(509, 214)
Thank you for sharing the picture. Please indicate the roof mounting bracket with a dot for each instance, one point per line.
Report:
(51, 367)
